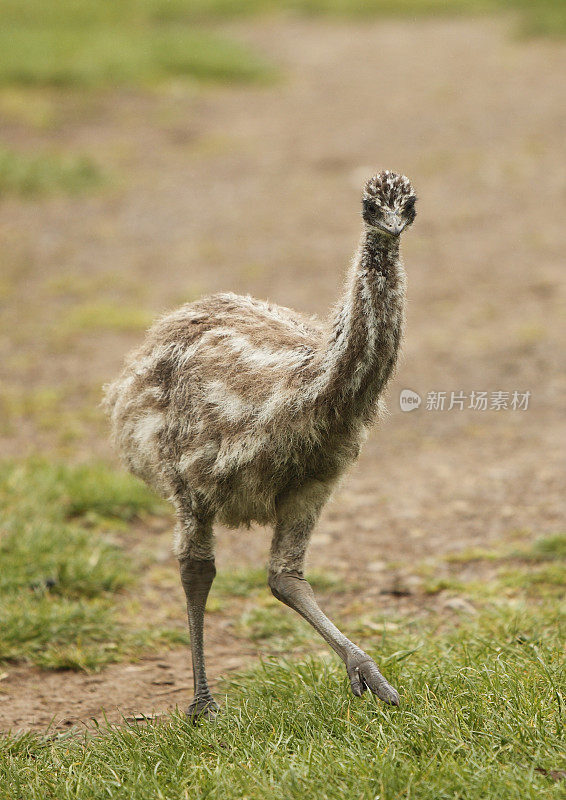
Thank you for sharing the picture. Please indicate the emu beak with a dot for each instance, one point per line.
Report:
(393, 224)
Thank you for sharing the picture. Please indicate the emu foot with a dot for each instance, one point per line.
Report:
(203, 708)
(364, 674)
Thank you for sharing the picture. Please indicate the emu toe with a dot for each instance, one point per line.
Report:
(365, 675)
(203, 710)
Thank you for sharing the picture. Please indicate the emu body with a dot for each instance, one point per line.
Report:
(241, 411)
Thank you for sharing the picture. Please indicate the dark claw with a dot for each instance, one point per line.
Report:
(365, 675)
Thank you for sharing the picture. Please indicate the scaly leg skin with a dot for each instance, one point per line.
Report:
(297, 515)
(197, 576)
(291, 588)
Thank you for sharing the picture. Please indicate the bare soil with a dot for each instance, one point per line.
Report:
(257, 190)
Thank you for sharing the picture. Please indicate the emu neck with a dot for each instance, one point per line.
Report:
(365, 329)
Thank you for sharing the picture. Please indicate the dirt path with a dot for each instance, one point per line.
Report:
(257, 191)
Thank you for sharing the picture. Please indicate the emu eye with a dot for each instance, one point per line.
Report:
(369, 206)
(410, 204)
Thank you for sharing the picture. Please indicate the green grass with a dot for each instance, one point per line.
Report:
(61, 566)
(540, 17)
(42, 406)
(63, 414)
(548, 548)
(245, 582)
(481, 717)
(536, 568)
(87, 317)
(267, 623)
(78, 43)
(82, 287)
(70, 56)
(32, 175)
(547, 580)
(482, 713)
(275, 628)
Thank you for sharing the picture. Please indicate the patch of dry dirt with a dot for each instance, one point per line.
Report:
(256, 190)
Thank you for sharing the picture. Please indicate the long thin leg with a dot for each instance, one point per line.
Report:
(195, 551)
(288, 584)
(197, 576)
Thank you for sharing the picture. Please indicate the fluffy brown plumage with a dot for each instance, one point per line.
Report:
(240, 411)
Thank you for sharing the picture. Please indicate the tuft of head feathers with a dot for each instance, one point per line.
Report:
(388, 190)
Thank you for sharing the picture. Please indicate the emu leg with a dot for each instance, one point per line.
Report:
(197, 576)
(295, 591)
